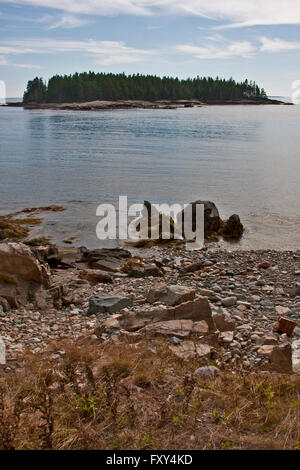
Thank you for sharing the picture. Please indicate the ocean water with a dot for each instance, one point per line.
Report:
(244, 158)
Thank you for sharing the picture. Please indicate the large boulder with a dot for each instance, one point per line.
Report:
(232, 228)
(212, 220)
(22, 277)
(18, 260)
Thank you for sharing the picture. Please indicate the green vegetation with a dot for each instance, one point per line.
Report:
(100, 86)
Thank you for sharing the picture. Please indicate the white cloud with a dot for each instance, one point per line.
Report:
(3, 61)
(278, 45)
(236, 13)
(104, 52)
(234, 49)
(66, 21)
(25, 66)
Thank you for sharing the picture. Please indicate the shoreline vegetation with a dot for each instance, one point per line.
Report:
(100, 91)
(105, 105)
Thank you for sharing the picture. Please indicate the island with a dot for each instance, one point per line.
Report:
(107, 91)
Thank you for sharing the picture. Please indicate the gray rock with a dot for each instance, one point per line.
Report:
(207, 372)
(175, 340)
(103, 303)
(229, 301)
(226, 337)
(147, 271)
(295, 290)
(2, 352)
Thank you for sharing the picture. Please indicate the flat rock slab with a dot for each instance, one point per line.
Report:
(107, 304)
(181, 328)
(189, 350)
(170, 295)
(196, 310)
(106, 259)
(150, 270)
(95, 275)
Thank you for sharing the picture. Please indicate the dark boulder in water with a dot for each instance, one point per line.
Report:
(232, 228)
(212, 220)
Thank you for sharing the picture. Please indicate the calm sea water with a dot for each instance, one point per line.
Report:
(246, 159)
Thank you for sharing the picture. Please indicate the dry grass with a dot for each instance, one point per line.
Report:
(139, 396)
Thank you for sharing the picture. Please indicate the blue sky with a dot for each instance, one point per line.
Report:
(254, 39)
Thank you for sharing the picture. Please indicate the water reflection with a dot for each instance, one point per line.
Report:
(245, 159)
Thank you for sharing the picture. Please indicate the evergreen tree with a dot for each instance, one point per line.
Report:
(93, 86)
(36, 91)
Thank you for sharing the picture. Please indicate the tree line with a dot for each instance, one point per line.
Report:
(92, 86)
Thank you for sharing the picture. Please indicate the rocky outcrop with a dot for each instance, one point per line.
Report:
(180, 328)
(22, 277)
(17, 259)
(195, 310)
(105, 259)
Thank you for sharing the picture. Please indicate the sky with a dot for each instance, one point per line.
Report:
(254, 39)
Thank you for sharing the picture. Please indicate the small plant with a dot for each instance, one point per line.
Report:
(219, 418)
(87, 405)
(178, 419)
(226, 445)
(267, 393)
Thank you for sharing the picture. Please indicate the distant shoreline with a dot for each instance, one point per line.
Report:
(140, 104)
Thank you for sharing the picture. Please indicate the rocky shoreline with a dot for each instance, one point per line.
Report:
(219, 307)
(140, 104)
